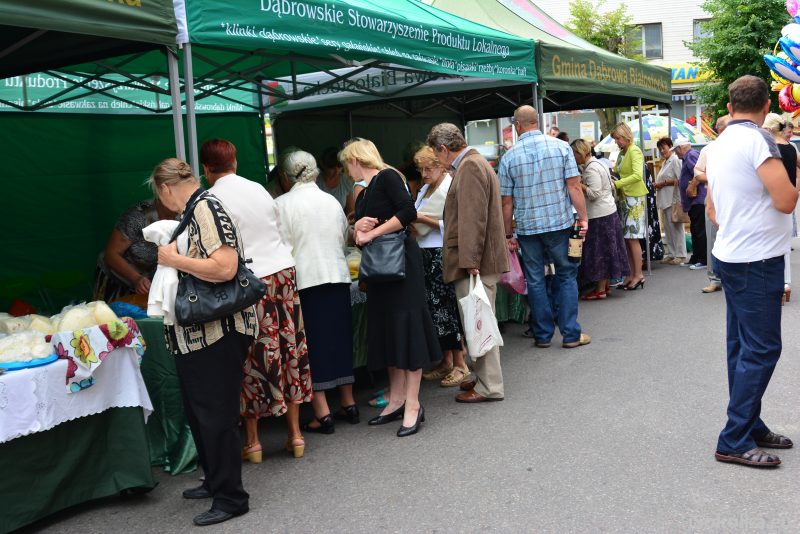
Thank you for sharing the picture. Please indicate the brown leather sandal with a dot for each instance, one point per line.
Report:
(753, 458)
(774, 441)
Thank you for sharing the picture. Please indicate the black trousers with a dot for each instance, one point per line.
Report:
(697, 225)
(211, 382)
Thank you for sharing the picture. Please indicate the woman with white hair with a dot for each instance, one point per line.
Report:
(776, 125)
(315, 227)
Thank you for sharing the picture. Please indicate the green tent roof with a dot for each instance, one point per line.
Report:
(573, 73)
(403, 32)
(44, 34)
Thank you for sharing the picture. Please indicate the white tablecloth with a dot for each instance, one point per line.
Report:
(35, 400)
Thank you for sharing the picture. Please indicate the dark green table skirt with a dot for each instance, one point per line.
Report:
(171, 443)
(74, 462)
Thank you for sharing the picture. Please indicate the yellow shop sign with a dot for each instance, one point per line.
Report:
(683, 73)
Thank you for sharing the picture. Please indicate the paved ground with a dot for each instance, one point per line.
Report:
(617, 436)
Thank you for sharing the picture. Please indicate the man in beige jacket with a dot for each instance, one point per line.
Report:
(474, 241)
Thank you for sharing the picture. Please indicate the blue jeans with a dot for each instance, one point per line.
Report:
(563, 309)
(753, 296)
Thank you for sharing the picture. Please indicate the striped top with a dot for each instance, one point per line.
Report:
(209, 229)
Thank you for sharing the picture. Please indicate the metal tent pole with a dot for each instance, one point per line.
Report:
(262, 118)
(177, 116)
(191, 119)
(541, 113)
(350, 123)
(644, 176)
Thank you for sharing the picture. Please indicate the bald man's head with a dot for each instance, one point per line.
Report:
(526, 118)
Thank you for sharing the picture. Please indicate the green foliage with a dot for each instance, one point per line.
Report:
(609, 30)
(741, 32)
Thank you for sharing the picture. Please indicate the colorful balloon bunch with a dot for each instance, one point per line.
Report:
(785, 65)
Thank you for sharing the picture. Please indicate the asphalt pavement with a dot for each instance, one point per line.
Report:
(616, 436)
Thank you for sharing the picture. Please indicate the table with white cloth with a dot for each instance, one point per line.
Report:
(61, 448)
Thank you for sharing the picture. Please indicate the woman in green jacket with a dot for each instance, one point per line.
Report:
(630, 167)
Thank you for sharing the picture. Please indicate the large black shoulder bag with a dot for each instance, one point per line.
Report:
(199, 301)
(384, 258)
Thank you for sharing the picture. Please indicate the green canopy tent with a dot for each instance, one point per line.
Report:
(261, 43)
(45, 34)
(221, 57)
(573, 73)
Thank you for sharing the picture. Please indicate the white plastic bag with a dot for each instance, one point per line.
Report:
(480, 324)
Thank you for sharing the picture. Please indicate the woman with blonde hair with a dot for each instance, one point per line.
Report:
(442, 302)
(775, 125)
(604, 255)
(630, 167)
(208, 356)
(400, 332)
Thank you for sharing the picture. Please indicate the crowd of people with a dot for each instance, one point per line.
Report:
(460, 220)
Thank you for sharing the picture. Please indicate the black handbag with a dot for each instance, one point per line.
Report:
(199, 301)
(384, 258)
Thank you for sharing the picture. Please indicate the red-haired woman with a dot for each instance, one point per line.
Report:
(277, 375)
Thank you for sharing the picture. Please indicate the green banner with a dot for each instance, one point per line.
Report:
(564, 68)
(106, 96)
(148, 21)
(404, 32)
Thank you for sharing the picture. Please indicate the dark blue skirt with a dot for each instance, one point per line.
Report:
(329, 334)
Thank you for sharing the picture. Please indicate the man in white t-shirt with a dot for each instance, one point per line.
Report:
(750, 198)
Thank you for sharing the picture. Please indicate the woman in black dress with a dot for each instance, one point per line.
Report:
(400, 332)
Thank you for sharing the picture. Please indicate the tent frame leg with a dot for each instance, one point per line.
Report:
(191, 118)
(177, 115)
(262, 121)
(537, 103)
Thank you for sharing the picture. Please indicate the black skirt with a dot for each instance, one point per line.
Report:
(329, 334)
(442, 302)
(400, 331)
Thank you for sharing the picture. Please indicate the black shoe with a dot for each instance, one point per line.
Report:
(326, 425)
(214, 516)
(409, 430)
(349, 414)
(200, 492)
(389, 417)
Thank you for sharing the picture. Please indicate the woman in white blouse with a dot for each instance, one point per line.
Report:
(442, 302)
(604, 253)
(667, 195)
(315, 227)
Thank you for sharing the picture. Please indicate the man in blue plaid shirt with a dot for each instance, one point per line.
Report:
(540, 184)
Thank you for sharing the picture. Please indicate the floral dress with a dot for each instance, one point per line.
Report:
(277, 369)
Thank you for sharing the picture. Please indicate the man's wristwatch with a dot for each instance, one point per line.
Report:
(509, 236)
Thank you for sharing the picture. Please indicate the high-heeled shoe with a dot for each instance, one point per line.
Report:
(326, 425)
(389, 417)
(409, 430)
(296, 449)
(635, 286)
(349, 414)
(252, 453)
